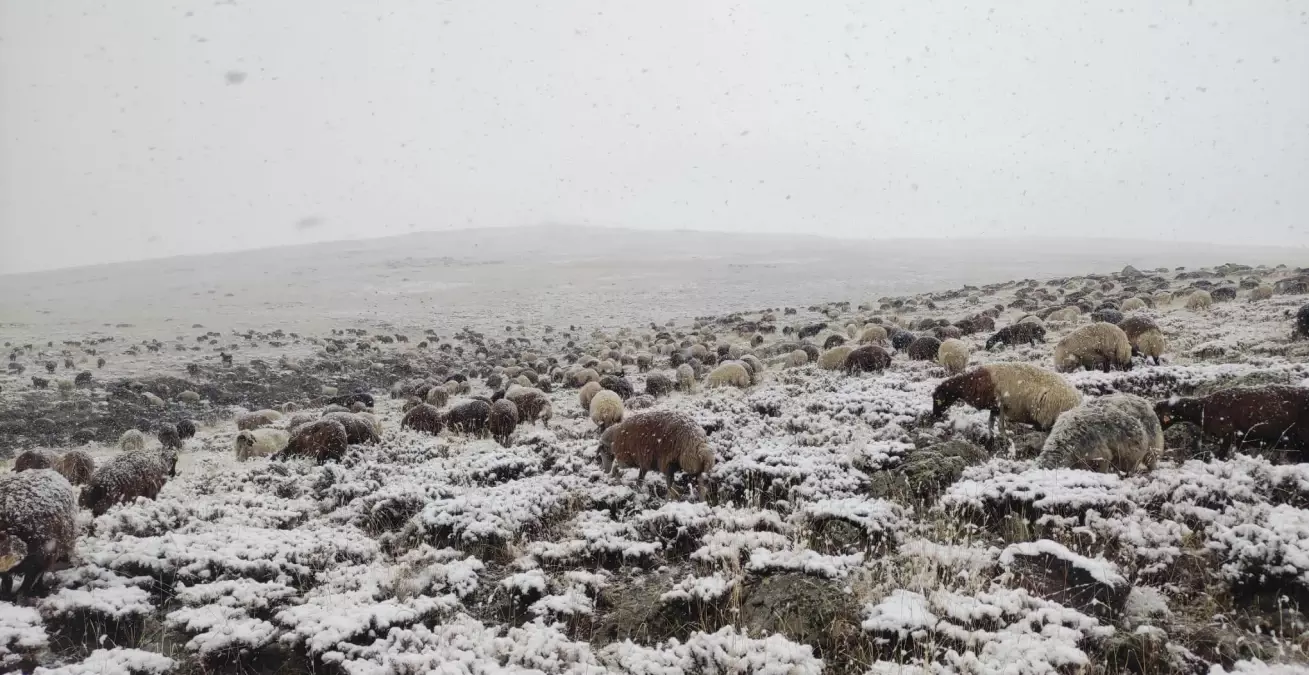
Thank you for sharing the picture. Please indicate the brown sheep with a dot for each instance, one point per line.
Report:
(358, 430)
(1012, 392)
(322, 439)
(502, 420)
(867, 359)
(1096, 346)
(532, 404)
(586, 393)
(256, 419)
(923, 348)
(658, 384)
(1273, 415)
(1144, 336)
(469, 417)
(423, 418)
(169, 437)
(664, 440)
(76, 466)
(38, 527)
(129, 475)
(34, 459)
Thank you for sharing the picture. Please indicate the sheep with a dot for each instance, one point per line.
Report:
(1107, 315)
(1200, 300)
(618, 385)
(127, 476)
(1065, 315)
(834, 358)
(189, 396)
(588, 392)
(76, 466)
(1261, 292)
(644, 361)
(606, 409)
(1022, 332)
(1226, 293)
(755, 366)
(256, 419)
(259, 443)
(796, 359)
(873, 335)
(729, 374)
(1011, 392)
(947, 332)
(867, 359)
(953, 356)
(1133, 304)
(685, 379)
(924, 349)
(1096, 346)
(834, 340)
(131, 440)
(372, 421)
(531, 403)
(358, 429)
(1272, 415)
(662, 439)
(168, 437)
(656, 385)
(423, 418)
(901, 339)
(469, 417)
(502, 420)
(322, 439)
(1301, 328)
(185, 429)
(30, 460)
(1115, 432)
(1144, 336)
(38, 527)
(437, 396)
(348, 400)
(583, 376)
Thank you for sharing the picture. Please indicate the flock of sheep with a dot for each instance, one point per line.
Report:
(482, 387)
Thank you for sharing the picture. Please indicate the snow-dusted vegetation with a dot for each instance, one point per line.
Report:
(846, 529)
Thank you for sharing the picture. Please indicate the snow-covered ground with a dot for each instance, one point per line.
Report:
(844, 532)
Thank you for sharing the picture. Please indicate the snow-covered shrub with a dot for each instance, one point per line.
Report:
(116, 661)
(21, 633)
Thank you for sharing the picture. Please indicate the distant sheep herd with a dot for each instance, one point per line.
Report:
(1118, 432)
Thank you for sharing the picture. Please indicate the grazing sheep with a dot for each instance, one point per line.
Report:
(1065, 315)
(38, 527)
(755, 366)
(834, 358)
(1301, 322)
(189, 396)
(185, 429)
(729, 374)
(131, 440)
(424, 418)
(259, 443)
(796, 359)
(1261, 292)
(1274, 415)
(256, 419)
(1016, 334)
(901, 339)
(168, 437)
(127, 476)
(685, 379)
(1119, 432)
(656, 385)
(349, 400)
(867, 359)
(640, 402)
(581, 377)
(1144, 336)
(40, 382)
(588, 392)
(1226, 293)
(947, 332)
(1133, 304)
(83, 378)
(358, 430)
(619, 385)
(663, 440)
(502, 420)
(1096, 346)
(30, 460)
(372, 421)
(1107, 315)
(469, 417)
(1012, 392)
(437, 396)
(644, 361)
(606, 409)
(1199, 301)
(322, 439)
(953, 355)
(532, 404)
(924, 349)
(833, 341)
(873, 335)
(76, 466)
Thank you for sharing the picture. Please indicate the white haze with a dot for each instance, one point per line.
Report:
(131, 130)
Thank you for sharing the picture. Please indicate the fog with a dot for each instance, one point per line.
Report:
(147, 129)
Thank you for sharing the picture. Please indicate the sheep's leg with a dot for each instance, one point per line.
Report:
(668, 478)
(702, 487)
(6, 584)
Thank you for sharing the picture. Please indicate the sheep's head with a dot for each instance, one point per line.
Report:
(12, 552)
(1166, 411)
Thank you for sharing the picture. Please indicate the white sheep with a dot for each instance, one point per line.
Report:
(257, 419)
(834, 358)
(1116, 432)
(953, 355)
(1133, 304)
(685, 378)
(131, 440)
(1096, 346)
(588, 392)
(729, 374)
(606, 409)
(1199, 301)
(797, 358)
(259, 443)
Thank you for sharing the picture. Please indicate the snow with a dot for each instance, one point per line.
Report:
(1101, 570)
(21, 631)
(116, 661)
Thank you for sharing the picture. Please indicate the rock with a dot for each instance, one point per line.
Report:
(804, 609)
(188, 396)
(1130, 272)
(1048, 569)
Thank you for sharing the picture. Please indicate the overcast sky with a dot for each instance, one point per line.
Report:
(141, 129)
